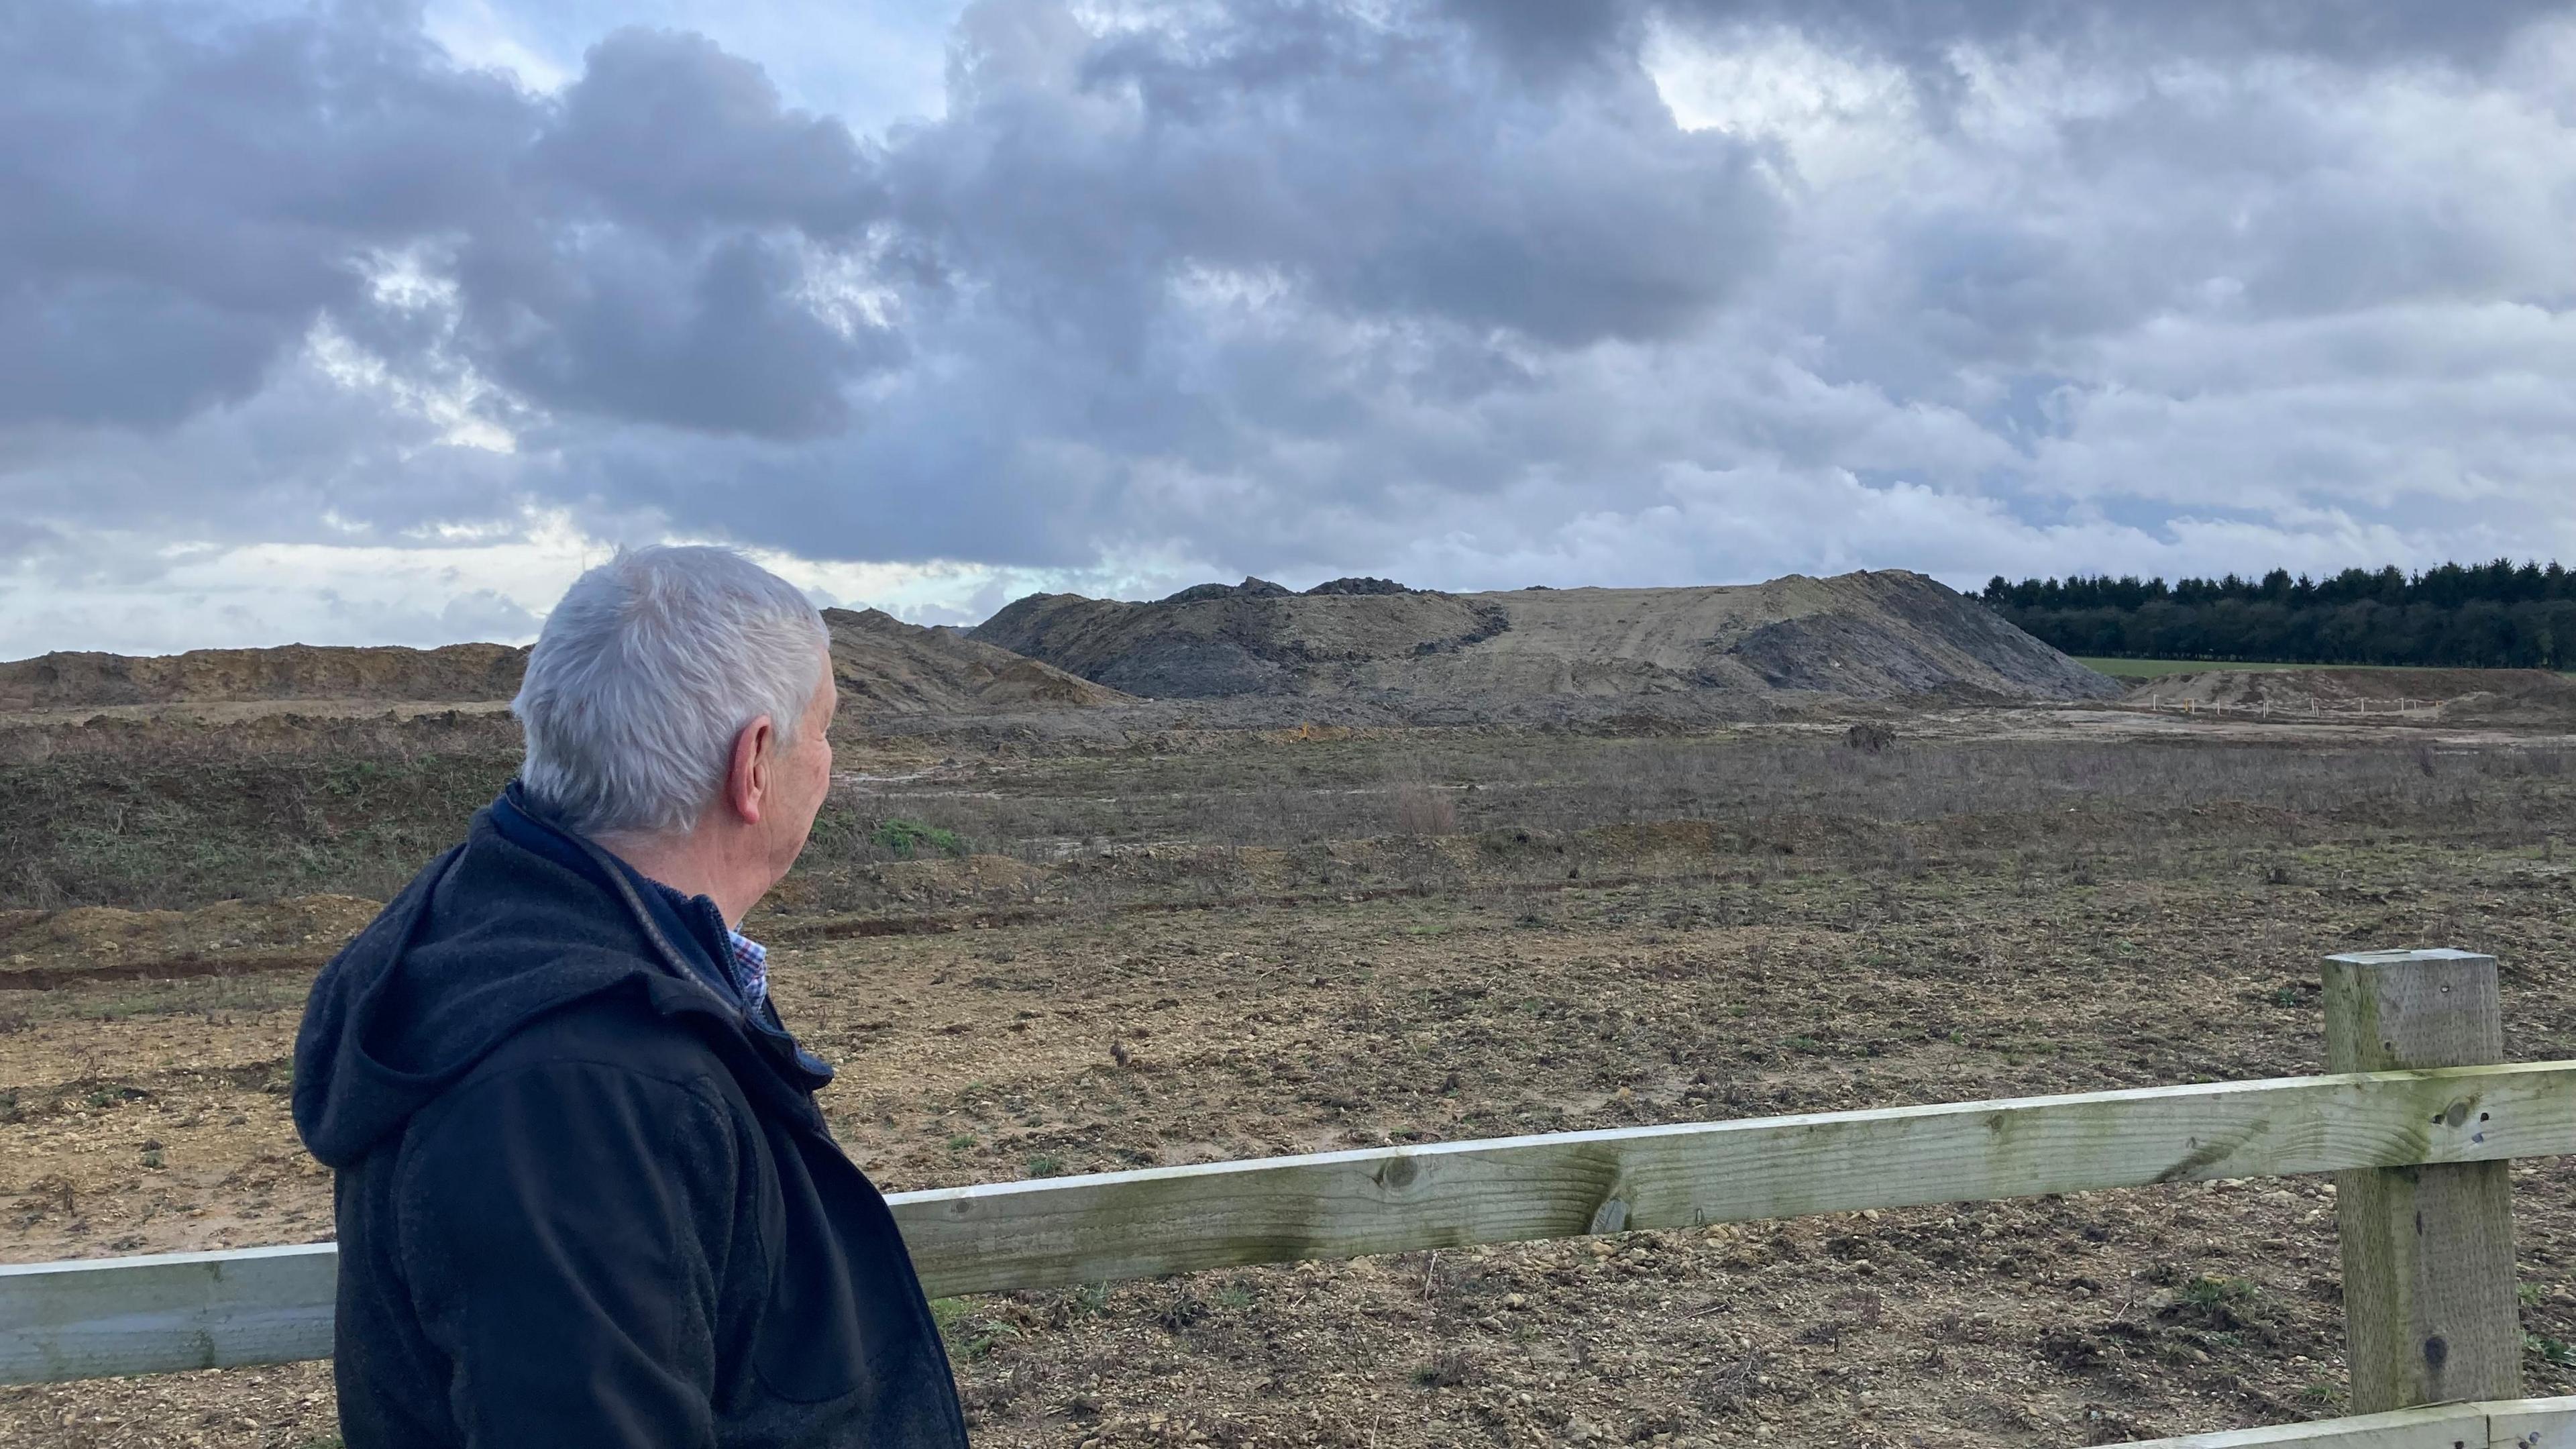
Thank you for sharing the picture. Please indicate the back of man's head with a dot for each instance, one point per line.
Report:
(644, 675)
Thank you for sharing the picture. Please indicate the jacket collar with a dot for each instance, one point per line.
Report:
(686, 934)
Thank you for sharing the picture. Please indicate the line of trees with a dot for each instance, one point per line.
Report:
(2477, 615)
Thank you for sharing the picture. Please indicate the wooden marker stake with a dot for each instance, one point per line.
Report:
(2428, 1277)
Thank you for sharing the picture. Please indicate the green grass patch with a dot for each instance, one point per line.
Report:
(2214, 1290)
(969, 1334)
(907, 839)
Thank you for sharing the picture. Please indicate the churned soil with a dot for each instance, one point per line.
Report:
(143, 1116)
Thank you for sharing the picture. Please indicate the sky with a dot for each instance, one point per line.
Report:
(376, 322)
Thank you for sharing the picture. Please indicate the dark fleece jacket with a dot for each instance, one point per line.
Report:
(583, 1196)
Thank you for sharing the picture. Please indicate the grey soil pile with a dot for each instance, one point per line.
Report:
(2469, 696)
(1860, 635)
(887, 667)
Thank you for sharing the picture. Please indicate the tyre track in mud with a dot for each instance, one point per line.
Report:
(842, 928)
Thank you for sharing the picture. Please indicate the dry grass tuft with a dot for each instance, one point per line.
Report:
(1422, 810)
(1869, 737)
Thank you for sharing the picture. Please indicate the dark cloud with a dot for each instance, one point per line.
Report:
(667, 132)
(1127, 261)
(1928, 38)
(1084, 175)
(1923, 32)
(670, 226)
(2353, 30)
(191, 197)
(184, 202)
(69, 351)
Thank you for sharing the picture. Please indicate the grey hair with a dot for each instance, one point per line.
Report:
(647, 671)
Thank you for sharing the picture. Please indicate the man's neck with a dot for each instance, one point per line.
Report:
(694, 865)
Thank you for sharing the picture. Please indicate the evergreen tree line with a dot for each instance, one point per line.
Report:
(2493, 614)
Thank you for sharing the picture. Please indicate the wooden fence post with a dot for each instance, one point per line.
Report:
(2428, 1278)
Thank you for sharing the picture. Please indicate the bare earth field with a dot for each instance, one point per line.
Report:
(1315, 938)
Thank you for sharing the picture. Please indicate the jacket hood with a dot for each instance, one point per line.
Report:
(523, 919)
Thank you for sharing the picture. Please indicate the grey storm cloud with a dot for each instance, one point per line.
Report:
(1443, 285)
(183, 205)
(645, 247)
(649, 260)
(1923, 33)
(1378, 168)
(668, 133)
(198, 194)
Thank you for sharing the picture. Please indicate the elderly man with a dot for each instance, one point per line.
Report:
(585, 1197)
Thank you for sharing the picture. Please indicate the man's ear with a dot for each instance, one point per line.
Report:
(747, 780)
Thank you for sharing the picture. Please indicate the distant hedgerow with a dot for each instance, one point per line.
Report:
(2500, 613)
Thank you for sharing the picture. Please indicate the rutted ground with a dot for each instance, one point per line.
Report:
(150, 1115)
(1191, 929)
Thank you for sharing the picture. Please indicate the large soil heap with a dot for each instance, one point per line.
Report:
(883, 666)
(1862, 635)
(886, 666)
(1356, 649)
(456, 672)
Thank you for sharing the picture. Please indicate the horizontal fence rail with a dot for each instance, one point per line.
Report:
(92, 1318)
(2502, 1424)
(1344, 1204)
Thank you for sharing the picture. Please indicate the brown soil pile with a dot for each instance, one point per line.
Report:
(273, 732)
(46, 948)
(883, 666)
(2482, 696)
(886, 666)
(1860, 635)
(455, 672)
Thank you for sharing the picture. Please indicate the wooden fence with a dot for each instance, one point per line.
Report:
(2418, 1119)
(2357, 708)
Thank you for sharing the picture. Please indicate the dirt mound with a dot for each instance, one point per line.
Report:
(2482, 696)
(452, 673)
(46, 948)
(1864, 635)
(1217, 640)
(883, 666)
(886, 666)
(275, 733)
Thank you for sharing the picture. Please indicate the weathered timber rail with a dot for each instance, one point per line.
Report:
(2495, 1424)
(2420, 1134)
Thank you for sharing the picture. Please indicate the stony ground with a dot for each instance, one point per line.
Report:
(1666, 973)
